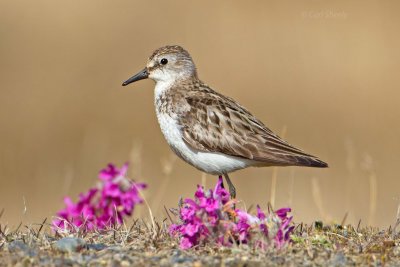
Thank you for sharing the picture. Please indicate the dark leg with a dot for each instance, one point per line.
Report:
(232, 189)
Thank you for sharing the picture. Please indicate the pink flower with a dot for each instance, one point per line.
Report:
(221, 193)
(186, 243)
(191, 229)
(101, 207)
(112, 172)
(187, 213)
(260, 213)
(210, 218)
(282, 213)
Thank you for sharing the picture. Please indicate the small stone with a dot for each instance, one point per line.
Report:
(279, 260)
(339, 259)
(114, 248)
(155, 258)
(17, 246)
(69, 244)
(96, 247)
(178, 258)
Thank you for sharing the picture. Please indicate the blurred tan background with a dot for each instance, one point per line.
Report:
(324, 73)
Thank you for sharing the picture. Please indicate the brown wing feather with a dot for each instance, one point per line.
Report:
(215, 123)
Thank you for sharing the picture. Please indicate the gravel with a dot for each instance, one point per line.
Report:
(142, 246)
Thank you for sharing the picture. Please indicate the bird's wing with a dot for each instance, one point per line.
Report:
(216, 123)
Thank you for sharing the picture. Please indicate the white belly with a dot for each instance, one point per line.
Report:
(209, 162)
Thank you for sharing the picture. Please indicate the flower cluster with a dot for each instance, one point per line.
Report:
(107, 204)
(212, 218)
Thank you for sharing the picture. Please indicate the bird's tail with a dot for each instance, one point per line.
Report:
(310, 161)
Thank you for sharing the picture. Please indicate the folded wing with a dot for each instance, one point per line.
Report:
(215, 123)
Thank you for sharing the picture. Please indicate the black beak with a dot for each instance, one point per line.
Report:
(143, 74)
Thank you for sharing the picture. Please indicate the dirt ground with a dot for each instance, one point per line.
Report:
(142, 244)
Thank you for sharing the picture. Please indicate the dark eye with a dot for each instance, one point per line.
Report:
(164, 61)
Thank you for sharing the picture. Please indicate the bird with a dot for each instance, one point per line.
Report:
(207, 129)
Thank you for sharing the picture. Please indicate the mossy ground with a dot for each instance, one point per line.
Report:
(141, 244)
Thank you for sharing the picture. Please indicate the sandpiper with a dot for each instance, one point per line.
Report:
(208, 130)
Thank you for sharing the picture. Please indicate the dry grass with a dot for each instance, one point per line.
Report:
(141, 244)
(147, 243)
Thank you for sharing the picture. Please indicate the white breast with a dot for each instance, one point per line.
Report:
(209, 162)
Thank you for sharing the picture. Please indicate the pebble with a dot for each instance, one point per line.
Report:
(178, 257)
(18, 246)
(96, 247)
(339, 259)
(69, 244)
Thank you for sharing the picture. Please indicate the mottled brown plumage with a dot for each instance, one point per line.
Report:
(212, 122)
(208, 130)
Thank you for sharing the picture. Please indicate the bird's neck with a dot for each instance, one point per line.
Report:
(165, 86)
(168, 94)
(162, 87)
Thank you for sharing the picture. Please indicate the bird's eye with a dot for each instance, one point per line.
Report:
(164, 61)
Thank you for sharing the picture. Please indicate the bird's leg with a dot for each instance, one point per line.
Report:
(232, 189)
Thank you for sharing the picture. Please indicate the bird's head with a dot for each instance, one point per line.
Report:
(167, 64)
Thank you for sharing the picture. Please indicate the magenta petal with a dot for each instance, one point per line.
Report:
(218, 186)
(108, 173)
(199, 192)
(187, 213)
(260, 213)
(104, 206)
(191, 203)
(186, 243)
(211, 205)
(288, 232)
(282, 213)
(173, 229)
(207, 219)
(124, 169)
(111, 190)
(191, 229)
